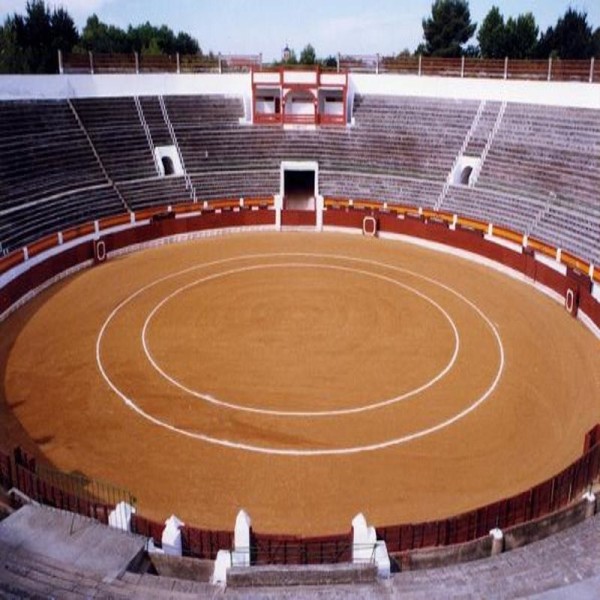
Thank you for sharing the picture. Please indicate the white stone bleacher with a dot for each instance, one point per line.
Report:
(574, 227)
(236, 184)
(27, 223)
(482, 131)
(154, 191)
(544, 161)
(512, 211)
(546, 151)
(416, 136)
(43, 152)
(155, 120)
(380, 188)
(116, 131)
(399, 150)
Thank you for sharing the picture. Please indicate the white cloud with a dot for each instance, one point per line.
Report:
(76, 8)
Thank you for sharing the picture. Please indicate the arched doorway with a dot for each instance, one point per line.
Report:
(168, 166)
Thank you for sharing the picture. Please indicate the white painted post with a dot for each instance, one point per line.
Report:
(60, 62)
(120, 517)
(178, 63)
(462, 67)
(377, 64)
(220, 65)
(91, 62)
(366, 548)
(222, 565)
(550, 69)
(506, 67)
(337, 60)
(137, 63)
(364, 538)
(278, 209)
(171, 536)
(592, 70)
(241, 540)
(497, 541)
(420, 59)
(590, 507)
(320, 206)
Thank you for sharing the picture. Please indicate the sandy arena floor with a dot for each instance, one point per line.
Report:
(303, 377)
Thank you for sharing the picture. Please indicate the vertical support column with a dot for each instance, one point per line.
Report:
(278, 209)
(590, 504)
(178, 63)
(137, 63)
(320, 207)
(60, 63)
(337, 60)
(550, 69)
(506, 67)
(220, 65)
(462, 67)
(420, 61)
(377, 64)
(497, 541)
(592, 70)
(91, 56)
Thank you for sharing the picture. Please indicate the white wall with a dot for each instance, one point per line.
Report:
(582, 95)
(14, 87)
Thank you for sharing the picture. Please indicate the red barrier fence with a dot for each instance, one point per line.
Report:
(6, 471)
(204, 543)
(541, 500)
(77, 494)
(72, 492)
(287, 550)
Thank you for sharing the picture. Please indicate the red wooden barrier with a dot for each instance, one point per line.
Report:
(203, 543)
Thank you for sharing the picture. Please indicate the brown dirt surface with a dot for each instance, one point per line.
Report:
(245, 329)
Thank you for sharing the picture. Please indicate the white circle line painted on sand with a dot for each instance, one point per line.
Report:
(279, 413)
(306, 452)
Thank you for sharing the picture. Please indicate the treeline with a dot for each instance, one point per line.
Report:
(29, 43)
(448, 30)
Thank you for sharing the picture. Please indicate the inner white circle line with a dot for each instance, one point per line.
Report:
(280, 413)
(312, 451)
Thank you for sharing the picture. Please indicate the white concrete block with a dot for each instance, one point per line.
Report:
(120, 517)
(171, 536)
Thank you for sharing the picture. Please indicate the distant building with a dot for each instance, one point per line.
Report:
(287, 53)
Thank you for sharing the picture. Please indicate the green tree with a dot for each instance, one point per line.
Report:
(102, 38)
(34, 37)
(330, 62)
(30, 42)
(492, 35)
(521, 36)
(186, 44)
(12, 59)
(64, 33)
(448, 28)
(308, 55)
(596, 42)
(571, 38)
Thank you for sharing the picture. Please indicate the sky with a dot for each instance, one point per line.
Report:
(267, 26)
